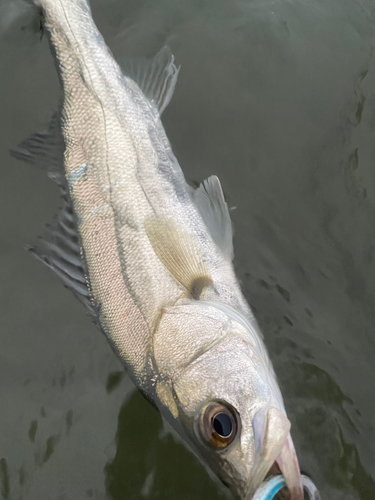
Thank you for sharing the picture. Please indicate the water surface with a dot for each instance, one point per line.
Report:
(278, 99)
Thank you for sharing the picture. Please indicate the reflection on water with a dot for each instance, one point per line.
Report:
(278, 100)
(150, 463)
(4, 479)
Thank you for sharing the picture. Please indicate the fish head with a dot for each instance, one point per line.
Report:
(220, 392)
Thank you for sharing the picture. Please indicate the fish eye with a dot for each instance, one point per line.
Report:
(218, 425)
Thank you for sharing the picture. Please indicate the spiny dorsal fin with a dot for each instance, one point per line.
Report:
(61, 250)
(209, 199)
(155, 77)
(180, 254)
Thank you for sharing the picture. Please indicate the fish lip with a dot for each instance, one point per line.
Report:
(286, 463)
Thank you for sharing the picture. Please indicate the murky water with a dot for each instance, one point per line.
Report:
(278, 99)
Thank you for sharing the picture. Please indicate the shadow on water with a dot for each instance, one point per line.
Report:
(326, 424)
(149, 464)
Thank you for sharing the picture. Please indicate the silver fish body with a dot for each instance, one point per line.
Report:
(151, 258)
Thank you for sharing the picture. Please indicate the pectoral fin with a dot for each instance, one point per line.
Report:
(180, 254)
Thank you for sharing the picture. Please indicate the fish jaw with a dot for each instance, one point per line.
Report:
(287, 462)
(277, 449)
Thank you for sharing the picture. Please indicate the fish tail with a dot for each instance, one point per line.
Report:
(70, 28)
(56, 4)
(61, 12)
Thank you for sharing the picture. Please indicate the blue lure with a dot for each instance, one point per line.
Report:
(272, 485)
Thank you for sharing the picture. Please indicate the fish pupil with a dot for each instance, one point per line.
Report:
(223, 424)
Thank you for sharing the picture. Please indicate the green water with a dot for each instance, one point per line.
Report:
(278, 99)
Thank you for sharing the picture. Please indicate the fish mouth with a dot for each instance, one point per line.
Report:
(287, 463)
(278, 456)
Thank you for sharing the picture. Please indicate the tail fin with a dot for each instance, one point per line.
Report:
(47, 5)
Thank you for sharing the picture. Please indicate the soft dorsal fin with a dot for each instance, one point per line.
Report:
(155, 77)
(61, 249)
(179, 253)
(209, 199)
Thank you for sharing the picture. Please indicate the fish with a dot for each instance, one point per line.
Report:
(151, 257)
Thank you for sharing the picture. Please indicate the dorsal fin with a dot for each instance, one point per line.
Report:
(209, 199)
(155, 77)
(61, 249)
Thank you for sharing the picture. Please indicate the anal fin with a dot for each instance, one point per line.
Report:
(61, 249)
(61, 252)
